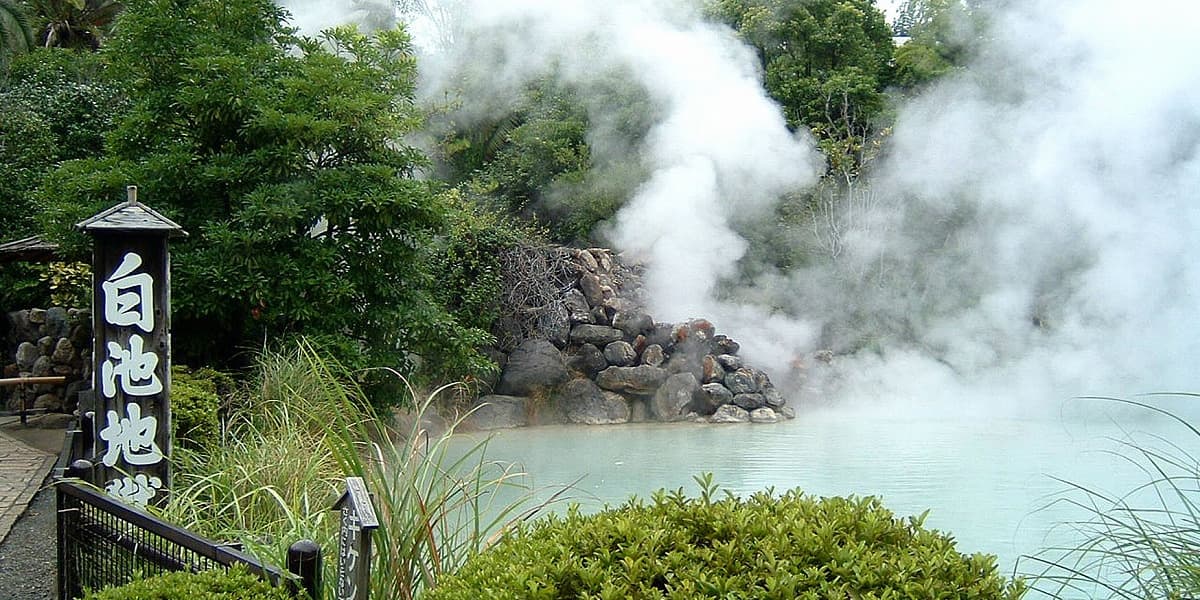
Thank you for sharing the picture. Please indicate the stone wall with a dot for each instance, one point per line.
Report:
(46, 343)
(609, 362)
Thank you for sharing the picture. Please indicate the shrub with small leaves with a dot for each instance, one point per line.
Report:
(790, 546)
(235, 584)
(70, 283)
(195, 405)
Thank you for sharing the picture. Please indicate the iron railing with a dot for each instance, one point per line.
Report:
(104, 542)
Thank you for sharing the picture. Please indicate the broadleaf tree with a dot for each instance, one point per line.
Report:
(16, 36)
(283, 158)
(827, 62)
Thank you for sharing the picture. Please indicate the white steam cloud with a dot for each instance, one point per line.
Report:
(1041, 216)
(1032, 232)
(718, 149)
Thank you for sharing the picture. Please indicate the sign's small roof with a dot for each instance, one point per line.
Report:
(131, 215)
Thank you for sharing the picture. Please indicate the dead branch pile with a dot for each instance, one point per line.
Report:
(535, 279)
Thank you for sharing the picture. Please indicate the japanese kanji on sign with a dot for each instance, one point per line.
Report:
(132, 350)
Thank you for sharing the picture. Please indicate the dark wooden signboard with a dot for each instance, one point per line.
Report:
(358, 521)
(131, 353)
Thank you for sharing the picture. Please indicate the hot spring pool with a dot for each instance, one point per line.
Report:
(996, 483)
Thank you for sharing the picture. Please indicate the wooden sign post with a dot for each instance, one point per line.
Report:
(131, 354)
(354, 543)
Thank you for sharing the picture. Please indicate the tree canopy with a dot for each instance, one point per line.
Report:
(282, 157)
(16, 36)
(286, 159)
(827, 62)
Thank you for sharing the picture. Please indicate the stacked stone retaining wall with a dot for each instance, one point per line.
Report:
(46, 343)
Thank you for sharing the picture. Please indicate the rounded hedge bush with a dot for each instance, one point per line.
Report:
(793, 546)
(196, 404)
(235, 584)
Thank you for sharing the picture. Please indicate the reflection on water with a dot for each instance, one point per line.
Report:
(991, 482)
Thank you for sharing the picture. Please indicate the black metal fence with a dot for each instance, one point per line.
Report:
(103, 542)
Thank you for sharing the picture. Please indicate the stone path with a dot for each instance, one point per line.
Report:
(22, 470)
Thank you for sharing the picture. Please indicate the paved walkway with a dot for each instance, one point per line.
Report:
(22, 470)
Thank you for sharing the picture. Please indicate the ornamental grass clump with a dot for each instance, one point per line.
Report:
(765, 546)
(301, 429)
(1141, 543)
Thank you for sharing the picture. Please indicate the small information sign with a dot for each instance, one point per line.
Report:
(358, 521)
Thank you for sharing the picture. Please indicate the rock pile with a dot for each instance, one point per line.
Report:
(607, 361)
(50, 342)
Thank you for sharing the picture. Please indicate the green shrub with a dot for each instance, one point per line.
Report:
(235, 584)
(792, 546)
(195, 406)
(70, 283)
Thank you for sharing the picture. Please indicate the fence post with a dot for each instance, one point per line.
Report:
(304, 560)
(80, 469)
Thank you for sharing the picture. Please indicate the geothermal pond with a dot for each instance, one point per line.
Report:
(995, 483)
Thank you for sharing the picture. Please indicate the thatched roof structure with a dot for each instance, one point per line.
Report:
(30, 249)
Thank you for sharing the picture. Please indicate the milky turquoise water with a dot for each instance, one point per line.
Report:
(996, 483)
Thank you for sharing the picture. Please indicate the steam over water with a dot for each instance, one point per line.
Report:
(1029, 236)
(1041, 211)
(1030, 229)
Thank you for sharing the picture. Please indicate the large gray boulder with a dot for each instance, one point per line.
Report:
(730, 414)
(577, 307)
(27, 354)
(774, 398)
(725, 345)
(712, 370)
(750, 402)
(620, 354)
(653, 355)
(584, 402)
(64, 351)
(535, 366)
(499, 412)
(741, 381)
(56, 322)
(633, 322)
(763, 415)
(587, 359)
(674, 398)
(597, 335)
(730, 362)
(641, 380)
(589, 284)
(711, 397)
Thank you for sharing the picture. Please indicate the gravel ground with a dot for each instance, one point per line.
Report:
(28, 555)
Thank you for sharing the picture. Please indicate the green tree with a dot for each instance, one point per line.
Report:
(78, 24)
(55, 106)
(827, 62)
(16, 37)
(537, 161)
(942, 35)
(282, 157)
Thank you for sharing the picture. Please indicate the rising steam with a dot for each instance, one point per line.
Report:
(1041, 215)
(717, 147)
(1032, 232)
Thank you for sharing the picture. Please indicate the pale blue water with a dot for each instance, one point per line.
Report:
(988, 481)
